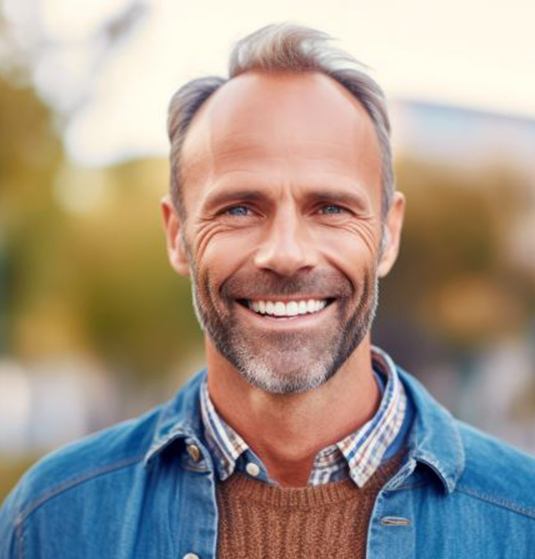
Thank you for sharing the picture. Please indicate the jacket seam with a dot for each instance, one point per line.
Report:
(408, 486)
(19, 535)
(502, 503)
(71, 483)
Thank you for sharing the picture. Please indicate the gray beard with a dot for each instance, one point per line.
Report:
(287, 364)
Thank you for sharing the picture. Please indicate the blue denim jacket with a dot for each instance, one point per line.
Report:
(133, 491)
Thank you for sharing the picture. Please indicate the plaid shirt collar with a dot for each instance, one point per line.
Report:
(358, 455)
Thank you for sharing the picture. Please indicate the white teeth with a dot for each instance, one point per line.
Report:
(292, 308)
(280, 309)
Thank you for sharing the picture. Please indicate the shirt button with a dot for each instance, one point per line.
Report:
(195, 455)
(252, 469)
(191, 556)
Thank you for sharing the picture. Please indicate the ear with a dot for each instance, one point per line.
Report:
(176, 251)
(392, 234)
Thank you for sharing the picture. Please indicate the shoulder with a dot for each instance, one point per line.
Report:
(116, 447)
(71, 468)
(478, 465)
(97, 472)
(119, 447)
(496, 472)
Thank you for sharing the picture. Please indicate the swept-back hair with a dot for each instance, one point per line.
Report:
(275, 48)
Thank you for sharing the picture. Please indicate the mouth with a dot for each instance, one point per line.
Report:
(279, 309)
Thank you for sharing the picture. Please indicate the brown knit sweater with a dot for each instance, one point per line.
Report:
(259, 520)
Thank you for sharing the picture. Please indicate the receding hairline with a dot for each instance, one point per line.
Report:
(191, 152)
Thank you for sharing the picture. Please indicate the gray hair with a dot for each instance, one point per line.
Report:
(284, 47)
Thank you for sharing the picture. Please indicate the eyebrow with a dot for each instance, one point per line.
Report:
(224, 197)
(349, 198)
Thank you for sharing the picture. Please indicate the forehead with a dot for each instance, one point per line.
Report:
(285, 123)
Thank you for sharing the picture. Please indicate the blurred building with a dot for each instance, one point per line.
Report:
(463, 136)
(50, 403)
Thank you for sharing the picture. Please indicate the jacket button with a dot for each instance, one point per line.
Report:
(195, 455)
(191, 556)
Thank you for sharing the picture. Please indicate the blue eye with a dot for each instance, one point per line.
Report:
(238, 211)
(330, 209)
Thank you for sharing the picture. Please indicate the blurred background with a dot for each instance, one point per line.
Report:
(94, 325)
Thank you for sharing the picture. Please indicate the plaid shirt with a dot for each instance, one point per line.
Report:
(358, 455)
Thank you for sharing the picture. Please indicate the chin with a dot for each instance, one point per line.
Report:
(286, 378)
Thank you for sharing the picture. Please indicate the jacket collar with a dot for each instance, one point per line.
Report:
(434, 438)
(180, 419)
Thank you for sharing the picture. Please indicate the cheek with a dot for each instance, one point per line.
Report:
(225, 253)
(352, 251)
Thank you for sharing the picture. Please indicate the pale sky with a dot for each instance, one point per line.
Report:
(474, 53)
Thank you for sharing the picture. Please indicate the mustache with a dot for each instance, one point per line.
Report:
(259, 284)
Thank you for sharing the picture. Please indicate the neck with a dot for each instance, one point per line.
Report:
(287, 430)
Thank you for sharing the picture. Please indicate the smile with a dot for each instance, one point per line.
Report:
(285, 309)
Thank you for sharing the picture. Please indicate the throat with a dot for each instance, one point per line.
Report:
(287, 471)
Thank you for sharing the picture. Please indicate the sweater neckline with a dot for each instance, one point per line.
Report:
(241, 487)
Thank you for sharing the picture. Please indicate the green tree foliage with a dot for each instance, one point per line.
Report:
(135, 311)
(453, 280)
(30, 154)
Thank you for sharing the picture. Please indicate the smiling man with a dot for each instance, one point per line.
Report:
(300, 439)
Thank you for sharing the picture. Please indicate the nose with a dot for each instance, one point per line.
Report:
(286, 247)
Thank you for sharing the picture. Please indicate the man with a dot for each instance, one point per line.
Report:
(301, 439)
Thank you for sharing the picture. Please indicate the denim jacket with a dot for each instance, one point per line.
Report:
(146, 489)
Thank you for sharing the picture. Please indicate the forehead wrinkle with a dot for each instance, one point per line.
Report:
(284, 154)
(323, 185)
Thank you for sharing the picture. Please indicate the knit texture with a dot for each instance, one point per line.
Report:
(259, 520)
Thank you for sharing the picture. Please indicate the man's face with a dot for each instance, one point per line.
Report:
(282, 191)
